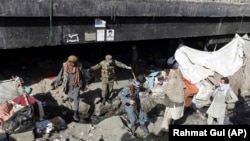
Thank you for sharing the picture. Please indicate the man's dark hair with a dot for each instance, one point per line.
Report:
(226, 80)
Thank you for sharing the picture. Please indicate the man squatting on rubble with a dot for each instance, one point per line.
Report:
(108, 75)
(174, 96)
(130, 96)
(71, 79)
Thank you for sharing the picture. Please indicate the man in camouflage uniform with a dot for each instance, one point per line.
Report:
(108, 75)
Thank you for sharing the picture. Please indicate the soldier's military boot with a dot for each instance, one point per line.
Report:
(144, 129)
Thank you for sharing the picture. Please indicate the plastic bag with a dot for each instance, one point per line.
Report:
(21, 121)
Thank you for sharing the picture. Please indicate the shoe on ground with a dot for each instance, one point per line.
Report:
(76, 117)
(103, 101)
(133, 129)
(144, 129)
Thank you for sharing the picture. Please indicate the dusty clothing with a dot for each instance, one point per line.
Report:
(217, 109)
(171, 113)
(124, 95)
(72, 81)
(174, 91)
(108, 74)
(108, 68)
(6, 111)
(107, 87)
(74, 72)
(190, 90)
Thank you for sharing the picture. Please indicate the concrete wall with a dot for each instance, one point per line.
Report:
(60, 22)
(111, 8)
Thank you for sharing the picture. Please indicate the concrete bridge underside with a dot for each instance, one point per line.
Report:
(61, 22)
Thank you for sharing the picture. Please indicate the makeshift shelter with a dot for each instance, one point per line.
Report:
(204, 68)
(197, 65)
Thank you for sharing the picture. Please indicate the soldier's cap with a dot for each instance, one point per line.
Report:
(108, 57)
(140, 78)
(72, 58)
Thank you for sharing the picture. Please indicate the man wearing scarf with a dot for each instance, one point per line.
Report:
(222, 96)
(71, 79)
(130, 96)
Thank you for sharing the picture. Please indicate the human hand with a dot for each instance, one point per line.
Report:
(132, 102)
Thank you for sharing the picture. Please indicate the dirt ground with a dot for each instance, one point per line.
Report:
(102, 128)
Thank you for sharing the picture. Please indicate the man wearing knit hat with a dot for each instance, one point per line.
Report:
(71, 79)
(108, 75)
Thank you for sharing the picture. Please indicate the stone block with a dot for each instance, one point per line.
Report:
(27, 136)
